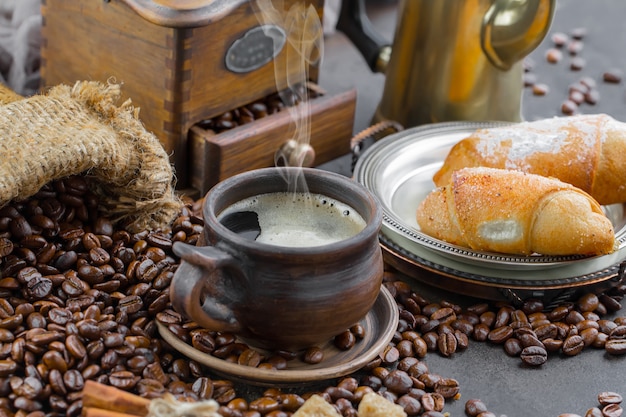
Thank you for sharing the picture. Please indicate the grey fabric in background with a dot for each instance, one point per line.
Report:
(20, 41)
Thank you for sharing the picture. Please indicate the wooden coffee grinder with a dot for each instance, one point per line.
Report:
(189, 63)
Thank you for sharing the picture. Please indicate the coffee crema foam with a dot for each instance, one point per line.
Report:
(299, 219)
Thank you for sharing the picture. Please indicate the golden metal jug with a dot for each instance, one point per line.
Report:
(451, 59)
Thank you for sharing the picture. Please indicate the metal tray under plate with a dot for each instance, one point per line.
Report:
(399, 169)
(550, 291)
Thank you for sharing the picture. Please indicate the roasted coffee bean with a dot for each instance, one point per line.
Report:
(463, 325)
(73, 380)
(130, 304)
(609, 397)
(545, 331)
(146, 270)
(613, 76)
(594, 412)
(20, 228)
(552, 345)
(41, 337)
(447, 387)
(431, 340)
(588, 302)
(410, 405)
(27, 274)
(600, 341)
(443, 315)
(390, 354)
(313, 355)
(38, 288)
(540, 89)
(478, 309)
(99, 256)
(91, 274)
(481, 332)
(429, 380)
(610, 303)
(554, 55)
(559, 39)
(612, 410)
(432, 402)
(530, 339)
(475, 407)
(345, 340)
(462, 340)
(569, 107)
(447, 344)
(55, 360)
(589, 336)
(534, 355)
(619, 332)
(398, 382)
(202, 340)
(503, 316)
(574, 47)
(577, 97)
(123, 379)
(488, 318)
(250, 357)
(573, 345)
(615, 346)
(513, 346)
(429, 326)
(405, 348)
(500, 334)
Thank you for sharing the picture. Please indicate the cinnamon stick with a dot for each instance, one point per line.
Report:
(99, 412)
(111, 399)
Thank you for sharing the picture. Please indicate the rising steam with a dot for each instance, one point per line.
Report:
(304, 49)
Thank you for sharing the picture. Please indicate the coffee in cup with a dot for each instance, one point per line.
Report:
(293, 219)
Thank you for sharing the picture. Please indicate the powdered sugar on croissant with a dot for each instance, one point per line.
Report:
(583, 150)
(512, 212)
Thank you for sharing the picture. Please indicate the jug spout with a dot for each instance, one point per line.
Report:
(513, 28)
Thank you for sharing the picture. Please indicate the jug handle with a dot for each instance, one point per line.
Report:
(199, 263)
(355, 24)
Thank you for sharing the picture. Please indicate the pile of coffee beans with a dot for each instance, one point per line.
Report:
(259, 109)
(80, 300)
(584, 90)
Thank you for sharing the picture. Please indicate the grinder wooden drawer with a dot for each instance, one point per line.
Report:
(217, 156)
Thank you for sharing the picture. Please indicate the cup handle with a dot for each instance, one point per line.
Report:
(198, 263)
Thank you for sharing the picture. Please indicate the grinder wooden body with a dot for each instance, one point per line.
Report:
(180, 61)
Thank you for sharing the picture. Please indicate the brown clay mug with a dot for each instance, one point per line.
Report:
(279, 296)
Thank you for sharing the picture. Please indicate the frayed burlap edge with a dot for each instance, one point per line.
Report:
(80, 129)
(7, 95)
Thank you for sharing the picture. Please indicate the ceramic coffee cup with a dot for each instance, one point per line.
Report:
(274, 293)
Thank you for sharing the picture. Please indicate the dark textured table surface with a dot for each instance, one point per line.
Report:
(562, 384)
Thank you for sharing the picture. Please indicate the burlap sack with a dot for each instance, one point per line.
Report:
(80, 130)
(7, 95)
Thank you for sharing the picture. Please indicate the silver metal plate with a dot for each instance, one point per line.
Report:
(399, 169)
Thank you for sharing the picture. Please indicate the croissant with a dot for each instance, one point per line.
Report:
(507, 211)
(586, 151)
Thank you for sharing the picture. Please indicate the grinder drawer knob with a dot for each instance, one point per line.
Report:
(292, 153)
